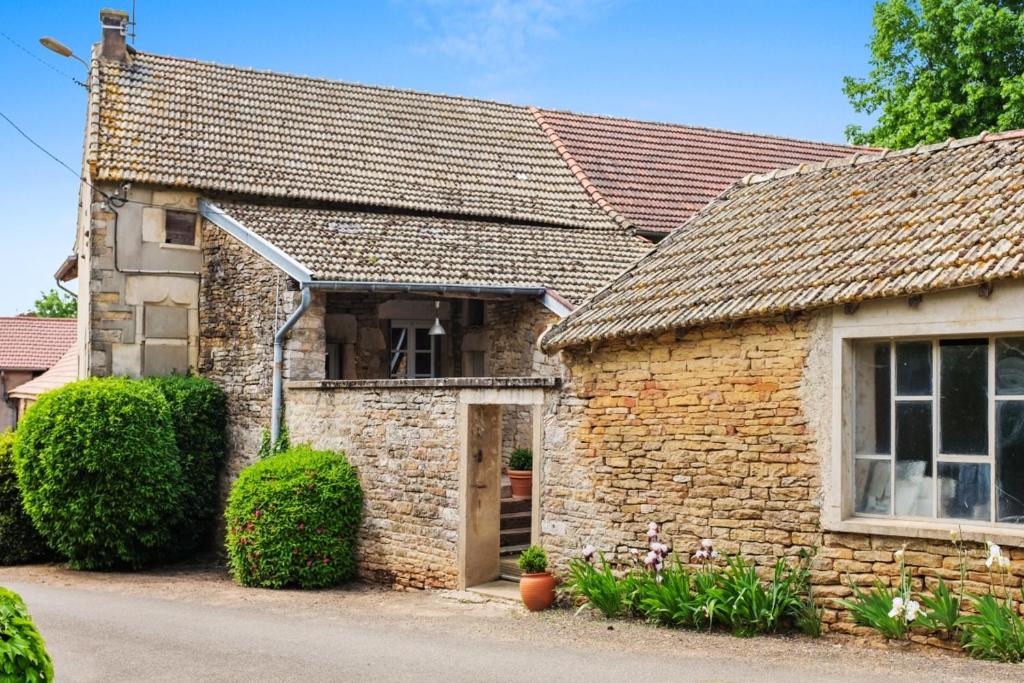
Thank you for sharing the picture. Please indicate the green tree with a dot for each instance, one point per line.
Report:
(53, 304)
(941, 69)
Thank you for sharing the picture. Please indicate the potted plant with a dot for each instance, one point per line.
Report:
(520, 472)
(536, 585)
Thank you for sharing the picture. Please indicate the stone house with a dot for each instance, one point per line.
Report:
(373, 268)
(830, 357)
(29, 346)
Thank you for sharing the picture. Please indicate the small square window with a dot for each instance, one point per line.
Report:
(180, 227)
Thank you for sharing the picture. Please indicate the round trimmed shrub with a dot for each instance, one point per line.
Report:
(23, 655)
(292, 520)
(199, 414)
(99, 474)
(19, 541)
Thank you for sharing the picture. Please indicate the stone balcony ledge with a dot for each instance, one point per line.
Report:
(436, 383)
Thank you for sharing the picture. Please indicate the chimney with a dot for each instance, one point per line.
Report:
(115, 26)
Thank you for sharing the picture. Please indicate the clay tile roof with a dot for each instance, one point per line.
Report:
(178, 122)
(30, 343)
(865, 227)
(63, 372)
(401, 248)
(657, 175)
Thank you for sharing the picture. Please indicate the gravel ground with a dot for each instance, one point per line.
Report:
(191, 623)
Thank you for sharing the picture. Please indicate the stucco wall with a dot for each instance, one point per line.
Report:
(722, 433)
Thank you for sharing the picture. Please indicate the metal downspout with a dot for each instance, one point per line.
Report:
(275, 405)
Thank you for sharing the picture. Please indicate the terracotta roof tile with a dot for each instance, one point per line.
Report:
(865, 227)
(30, 343)
(360, 246)
(657, 175)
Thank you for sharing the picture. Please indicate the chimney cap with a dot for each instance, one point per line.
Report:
(115, 24)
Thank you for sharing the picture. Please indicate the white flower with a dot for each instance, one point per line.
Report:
(1004, 561)
(899, 553)
(706, 543)
(652, 526)
(659, 548)
(993, 549)
(953, 535)
(634, 552)
(701, 554)
(651, 558)
(913, 609)
(588, 552)
(897, 607)
(714, 555)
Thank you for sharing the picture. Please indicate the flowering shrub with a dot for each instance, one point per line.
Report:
(292, 520)
(888, 610)
(664, 590)
(23, 655)
(995, 630)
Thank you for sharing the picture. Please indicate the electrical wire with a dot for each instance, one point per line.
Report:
(36, 57)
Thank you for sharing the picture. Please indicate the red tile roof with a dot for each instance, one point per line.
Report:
(657, 175)
(30, 343)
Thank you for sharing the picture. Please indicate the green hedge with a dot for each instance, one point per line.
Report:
(292, 520)
(23, 655)
(19, 540)
(99, 472)
(199, 413)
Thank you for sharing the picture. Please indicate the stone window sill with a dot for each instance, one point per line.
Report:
(1004, 534)
(438, 383)
(180, 247)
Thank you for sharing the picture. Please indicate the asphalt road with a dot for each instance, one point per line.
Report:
(106, 634)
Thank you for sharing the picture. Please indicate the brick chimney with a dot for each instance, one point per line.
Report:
(115, 26)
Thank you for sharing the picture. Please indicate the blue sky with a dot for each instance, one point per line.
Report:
(754, 65)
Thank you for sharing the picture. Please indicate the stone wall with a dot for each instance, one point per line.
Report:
(717, 433)
(403, 442)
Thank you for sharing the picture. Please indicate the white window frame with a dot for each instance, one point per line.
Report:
(955, 313)
(410, 326)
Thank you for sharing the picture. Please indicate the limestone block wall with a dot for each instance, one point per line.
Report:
(717, 433)
(403, 442)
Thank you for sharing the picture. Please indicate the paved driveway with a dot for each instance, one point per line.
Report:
(194, 625)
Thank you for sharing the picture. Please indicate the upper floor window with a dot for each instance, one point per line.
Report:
(180, 227)
(938, 428)
(413, 350)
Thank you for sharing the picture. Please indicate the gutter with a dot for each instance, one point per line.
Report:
(304, 277)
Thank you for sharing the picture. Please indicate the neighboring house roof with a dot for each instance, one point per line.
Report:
(63, 372)
(864, 227)
(659, 174)
(178, 122)
(31, 343)
(401, 248)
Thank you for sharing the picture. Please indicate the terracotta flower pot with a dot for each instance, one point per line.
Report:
(522, 483)
(537, 590)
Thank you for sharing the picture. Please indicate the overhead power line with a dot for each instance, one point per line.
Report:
(42, 61)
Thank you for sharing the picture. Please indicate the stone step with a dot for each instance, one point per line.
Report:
(510, 567)
(515, 520)
(515, 537)
(509, 505)
(514, 549)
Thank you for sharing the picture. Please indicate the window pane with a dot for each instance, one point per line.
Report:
(398, 338)
(963, 411)
(179, 227)
(872, 381)
(873, 486)
(914, 369)
(963, 490)
(424, 342)
(1010, 461)
(1010, 366)
(423, 364)
(913, 459)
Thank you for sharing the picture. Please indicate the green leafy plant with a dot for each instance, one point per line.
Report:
(98, 468)
(521, 459)
(670, 601)
(268, 449)
(23, 655)
(873, 608)
(994, 631)
(533, 560)
(597, 588)
(19, 540)
(754, 607)
(199, 415)
(941, 609)
(292, 520)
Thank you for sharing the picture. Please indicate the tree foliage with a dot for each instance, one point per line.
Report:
(54, 304)
(941, 69)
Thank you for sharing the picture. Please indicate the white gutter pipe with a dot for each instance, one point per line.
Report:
(279, 337)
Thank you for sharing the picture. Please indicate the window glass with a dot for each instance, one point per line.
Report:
(1010, 461)
(964, 490)
(913, 458)
(423, 368)
(1010, 365)
(963, 407)
(873, 486)
(872, 380)
(914, 368)
(399, 343)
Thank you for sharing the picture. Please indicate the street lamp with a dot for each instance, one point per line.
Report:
(54, 45)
